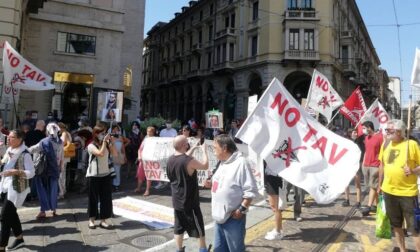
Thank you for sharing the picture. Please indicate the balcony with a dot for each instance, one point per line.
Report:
(301, 14)
(193, 74)
(197, 48)
(347, 37)
(225, 32)
(179, 55)
(226, 66)
(349, 67)
(301, 55)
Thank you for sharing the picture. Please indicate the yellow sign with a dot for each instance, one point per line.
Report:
(74, 78)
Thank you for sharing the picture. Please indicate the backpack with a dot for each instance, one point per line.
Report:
(40, 164)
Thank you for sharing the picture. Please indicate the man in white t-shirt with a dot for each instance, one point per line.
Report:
(168, 131)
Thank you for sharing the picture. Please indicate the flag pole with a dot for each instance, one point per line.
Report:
(14, 106)
(336, 114)
(308, 97)
(409, 122)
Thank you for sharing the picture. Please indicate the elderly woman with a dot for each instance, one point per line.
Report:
(47, 182)
(18, 169)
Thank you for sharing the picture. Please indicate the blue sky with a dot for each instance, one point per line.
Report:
(379, 18)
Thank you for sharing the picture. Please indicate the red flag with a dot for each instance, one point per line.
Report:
(354, 107)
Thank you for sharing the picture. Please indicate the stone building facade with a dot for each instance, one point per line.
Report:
(214, 54)
(87, 47)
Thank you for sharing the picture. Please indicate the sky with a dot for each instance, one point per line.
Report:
(380, 19)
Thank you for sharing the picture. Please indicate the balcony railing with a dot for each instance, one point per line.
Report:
(349, 67)
(225, 32)
(301, 14)
(301, 55)
(223, 66)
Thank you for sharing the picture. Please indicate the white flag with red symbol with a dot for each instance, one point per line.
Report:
(377, 115)
(297, 147)
(22, 74)
(322, 97)
(415, 75)
(354, 107)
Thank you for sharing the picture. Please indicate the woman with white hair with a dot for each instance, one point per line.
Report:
(47, 181)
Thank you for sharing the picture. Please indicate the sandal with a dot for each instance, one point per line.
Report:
(91, 226)
(137, 190)
(146, 193)
(41, 215)
(106, 226)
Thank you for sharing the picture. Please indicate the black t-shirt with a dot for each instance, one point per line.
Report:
(184, 187)
(33, 137)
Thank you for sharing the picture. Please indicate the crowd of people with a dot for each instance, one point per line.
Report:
(35, 166)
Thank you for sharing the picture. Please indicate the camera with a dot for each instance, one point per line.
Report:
(115, 135)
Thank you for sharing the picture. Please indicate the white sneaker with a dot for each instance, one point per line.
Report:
(274, 235)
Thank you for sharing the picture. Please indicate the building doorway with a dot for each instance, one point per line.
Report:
(76, 103)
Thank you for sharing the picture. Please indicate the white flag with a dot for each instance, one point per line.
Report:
(21, 73)
(322, 96)
(377, 115)
(415, 75)
(297, 147)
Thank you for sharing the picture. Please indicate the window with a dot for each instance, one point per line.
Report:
(211, 9)
(218, 55)
(209, 60)
(254, 45)
(224, 52)
(191, 41)
(231, 51)
(255, 11)
(210, 32)
(308, 40)
(227, 22)
(76, 43)
(201, 15)
(294, 39)
(182, 45)
(200, 36)
(345, 54)
(199, 62)
(307, 4)
(183, 26)
(189, 65)
(292, 4)
(232, 20)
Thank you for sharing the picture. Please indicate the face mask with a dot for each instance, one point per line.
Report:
(101, 137)
(354, 137)
(365, 132)
(49, 117)
(80, 124)
(168, 125)
(136, 131)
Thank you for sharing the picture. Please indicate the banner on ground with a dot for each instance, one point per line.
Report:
(354, 107)
(377, 115)
(297, 147)
(153, 215)
(21, 74)
(322, 97)
(157, 150)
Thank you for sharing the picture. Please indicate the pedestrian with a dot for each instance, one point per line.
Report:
(67, 142)
(182, 174)
(34, 136)
(272, 184)
(400, 167)
(141, 176)
(373, 142)
(168, 131)
(47, 183)
(18, 168)
(119, 159)
(359, 140)
(132, 148)
(99, 177)
(299, 200)
(186, 131)
(233, 188)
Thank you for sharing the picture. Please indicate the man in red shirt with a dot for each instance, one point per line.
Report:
(373, 142)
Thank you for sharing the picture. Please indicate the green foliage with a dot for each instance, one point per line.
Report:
(158, 121)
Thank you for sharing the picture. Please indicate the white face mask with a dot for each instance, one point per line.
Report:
(365, 131)
(136, 131)
(80, 124)
(168, 125)
(101, 137)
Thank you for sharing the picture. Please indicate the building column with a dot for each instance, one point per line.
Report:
(241, 108)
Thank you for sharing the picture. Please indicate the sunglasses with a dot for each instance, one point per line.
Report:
(391, 131)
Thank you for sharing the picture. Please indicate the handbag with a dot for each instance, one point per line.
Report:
(282, 205)
(383, 224)
(69, 150)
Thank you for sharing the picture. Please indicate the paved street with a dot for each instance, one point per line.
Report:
(324, 228)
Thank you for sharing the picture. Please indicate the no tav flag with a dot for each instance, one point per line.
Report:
(322, 97)
(22, 74)
(377, 115)
(354, 107)
(415, 75)
(297, 147)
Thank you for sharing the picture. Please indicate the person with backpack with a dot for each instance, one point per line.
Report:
(100, 175)
(18, 168)
(49, 160)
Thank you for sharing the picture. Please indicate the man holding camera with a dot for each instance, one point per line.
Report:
(398, 173)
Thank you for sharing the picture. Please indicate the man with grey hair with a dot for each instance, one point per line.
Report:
(182, 173)
(233, 188)
(400, 160)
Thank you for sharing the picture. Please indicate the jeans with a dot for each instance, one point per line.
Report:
(117, 180)
(230, 236)
(299, 197)
(47, 189)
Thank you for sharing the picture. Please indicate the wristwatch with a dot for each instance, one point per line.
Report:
(243, 210)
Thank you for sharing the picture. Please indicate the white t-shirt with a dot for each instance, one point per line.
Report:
(102, 162)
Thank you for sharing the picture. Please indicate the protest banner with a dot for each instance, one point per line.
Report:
(297, 147)
(377, 115)
(354, 107)
(322, 97)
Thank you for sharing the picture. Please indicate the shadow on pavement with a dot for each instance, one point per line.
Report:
(316, 235)
(50, 231)
(66, 245)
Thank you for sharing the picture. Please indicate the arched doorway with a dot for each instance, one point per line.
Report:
(75, 103)
(297, 83)
(210, 104)
(181, 102)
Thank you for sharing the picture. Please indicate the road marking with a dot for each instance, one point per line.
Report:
(266, 225)
(381, 245)
(207, 227)
(337, 243)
